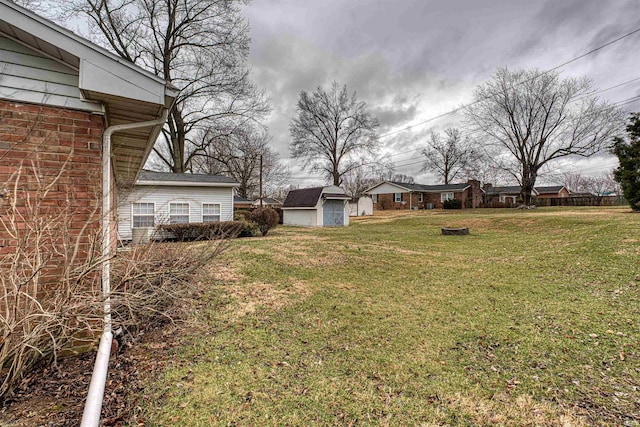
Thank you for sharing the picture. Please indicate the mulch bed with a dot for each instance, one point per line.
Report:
(55, 397)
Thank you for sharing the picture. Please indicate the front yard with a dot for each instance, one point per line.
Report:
(533, 319)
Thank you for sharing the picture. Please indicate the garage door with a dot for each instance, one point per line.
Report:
(333, 213)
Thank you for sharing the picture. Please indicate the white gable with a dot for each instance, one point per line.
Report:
(387, 188)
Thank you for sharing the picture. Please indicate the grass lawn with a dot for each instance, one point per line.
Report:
(533, 319)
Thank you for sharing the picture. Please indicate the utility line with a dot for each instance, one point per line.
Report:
(455, 110)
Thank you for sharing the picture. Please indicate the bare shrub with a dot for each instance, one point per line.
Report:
(154, 281)
(266, 218)
(49, 264)
(195, 231)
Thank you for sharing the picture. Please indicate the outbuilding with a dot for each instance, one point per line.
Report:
(317, 207)
(173, 198)
(361, 206)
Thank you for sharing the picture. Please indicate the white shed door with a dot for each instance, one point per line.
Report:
(333, 213)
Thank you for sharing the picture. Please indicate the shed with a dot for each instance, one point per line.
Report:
(174, 198)
(361, 206)
(316, 207)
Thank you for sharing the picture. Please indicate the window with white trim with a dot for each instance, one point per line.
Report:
(178, 213)
(397, 197)
(210, 212)
(420, 198)
(142, 215)
(374, 197)
(446, 196)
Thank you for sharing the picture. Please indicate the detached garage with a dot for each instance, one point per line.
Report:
(317, 207)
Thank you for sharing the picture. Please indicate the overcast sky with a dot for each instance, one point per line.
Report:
(411, 60)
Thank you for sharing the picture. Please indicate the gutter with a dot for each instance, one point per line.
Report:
(93, 404)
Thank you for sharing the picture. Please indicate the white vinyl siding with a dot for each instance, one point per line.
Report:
(178, 213)
(446, 196)
(143, 215)
(163, 196)
(397, 197)
(210, 212)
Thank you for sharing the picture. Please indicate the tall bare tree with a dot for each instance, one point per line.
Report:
(199, 46)
(238, 156)
(332, 132)
(450, 156)
(358, 180)
(538, 117)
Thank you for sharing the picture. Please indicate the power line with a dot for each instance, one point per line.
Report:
(617, 103)
(455, 110)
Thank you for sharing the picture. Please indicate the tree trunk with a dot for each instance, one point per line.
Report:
(528, 184)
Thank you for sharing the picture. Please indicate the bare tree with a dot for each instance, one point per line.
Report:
(199, 46)
(358, 180)
(450, 156)
(332, 132)
(599, 186)
(538, 117)
(402, 178)
(238, 156)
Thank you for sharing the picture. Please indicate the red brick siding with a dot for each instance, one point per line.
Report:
(385, 201)
(43, 142)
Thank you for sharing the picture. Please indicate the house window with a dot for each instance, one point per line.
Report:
(178, 213)
(420, 197)
(210, 212)
(397, 197)
(446, 196)
(143, 215)
(374, 197)
(502, 198)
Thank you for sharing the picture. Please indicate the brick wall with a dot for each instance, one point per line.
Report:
(54, 156)
(386, 201)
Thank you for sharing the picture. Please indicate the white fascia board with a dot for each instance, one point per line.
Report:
(123, 82)
(100, 70)
(188, 184)
(402, 189)
(313, 208)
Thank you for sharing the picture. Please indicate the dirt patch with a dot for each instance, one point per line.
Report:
(55, 397)
(506, 409)
(251, 296)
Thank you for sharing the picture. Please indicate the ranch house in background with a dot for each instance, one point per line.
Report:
(173, 198)
(400, 195)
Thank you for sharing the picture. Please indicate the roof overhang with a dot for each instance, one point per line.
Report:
(126, 92)
(189, 184)
(403, 189)
(336, 197)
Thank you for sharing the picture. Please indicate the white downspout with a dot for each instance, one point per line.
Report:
(93, 405)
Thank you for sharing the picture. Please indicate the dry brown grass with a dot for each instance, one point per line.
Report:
(510, 410)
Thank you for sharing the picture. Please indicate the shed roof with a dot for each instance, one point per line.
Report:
(128, 93)
(303, 198)
(184, 179)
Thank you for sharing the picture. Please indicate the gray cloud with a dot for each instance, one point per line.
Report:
(411, 60)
